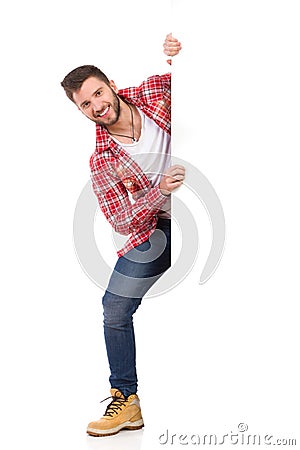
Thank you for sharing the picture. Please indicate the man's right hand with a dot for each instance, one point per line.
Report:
(172, 179)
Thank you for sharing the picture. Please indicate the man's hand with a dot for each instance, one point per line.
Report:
(172, 179)
(171, 46)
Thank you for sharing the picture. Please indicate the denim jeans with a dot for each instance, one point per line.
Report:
(133, 275)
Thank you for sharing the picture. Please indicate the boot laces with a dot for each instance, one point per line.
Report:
(114, 406)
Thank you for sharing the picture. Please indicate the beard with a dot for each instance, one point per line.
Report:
(115, 106)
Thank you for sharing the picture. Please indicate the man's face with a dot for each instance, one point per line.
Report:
(98, 101)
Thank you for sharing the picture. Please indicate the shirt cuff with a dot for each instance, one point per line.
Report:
(156, 198)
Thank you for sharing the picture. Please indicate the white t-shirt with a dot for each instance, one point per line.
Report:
(152, 152)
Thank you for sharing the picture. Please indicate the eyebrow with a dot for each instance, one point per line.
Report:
(85, 101)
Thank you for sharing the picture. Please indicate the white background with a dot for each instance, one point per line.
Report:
(210, 356)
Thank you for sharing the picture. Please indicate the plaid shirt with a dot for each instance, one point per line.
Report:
(115, 174)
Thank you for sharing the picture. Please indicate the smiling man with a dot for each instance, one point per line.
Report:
(106, 110)
(133, 180)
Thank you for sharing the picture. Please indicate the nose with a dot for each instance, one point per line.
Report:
(96, 106)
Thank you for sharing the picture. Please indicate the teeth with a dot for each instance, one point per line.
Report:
(104, 112)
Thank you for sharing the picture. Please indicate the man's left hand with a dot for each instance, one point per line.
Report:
(171, 46)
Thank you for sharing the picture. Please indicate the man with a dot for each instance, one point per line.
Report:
(132, 179)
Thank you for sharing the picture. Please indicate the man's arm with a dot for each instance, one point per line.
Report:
(114, 201)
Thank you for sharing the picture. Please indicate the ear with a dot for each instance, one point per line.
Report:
(113, 86)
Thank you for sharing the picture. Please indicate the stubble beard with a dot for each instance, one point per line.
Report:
(115, 106)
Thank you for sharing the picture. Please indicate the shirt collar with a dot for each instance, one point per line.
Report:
(103, 138)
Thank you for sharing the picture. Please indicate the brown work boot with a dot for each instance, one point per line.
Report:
(121, 413)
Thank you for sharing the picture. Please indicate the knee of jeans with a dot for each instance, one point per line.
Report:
(118, 311)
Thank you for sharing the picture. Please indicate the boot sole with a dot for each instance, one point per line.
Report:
(137, 425)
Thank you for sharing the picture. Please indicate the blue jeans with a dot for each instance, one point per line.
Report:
(133, 275)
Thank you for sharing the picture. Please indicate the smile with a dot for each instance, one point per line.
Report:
(103, 112)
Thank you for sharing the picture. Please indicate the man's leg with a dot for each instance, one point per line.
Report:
(120, 341)
(132, 277)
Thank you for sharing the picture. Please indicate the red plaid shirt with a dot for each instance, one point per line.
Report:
(115, 174)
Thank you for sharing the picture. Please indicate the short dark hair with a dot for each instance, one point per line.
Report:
(74, 80)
